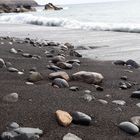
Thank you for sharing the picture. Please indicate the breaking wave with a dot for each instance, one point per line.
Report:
(68, 23)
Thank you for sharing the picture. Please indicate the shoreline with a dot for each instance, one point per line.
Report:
(106, 45)
(38, 102)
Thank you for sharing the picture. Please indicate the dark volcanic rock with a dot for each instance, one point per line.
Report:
(50, 6)
(119, 62)
(81, 118)
(132, 63)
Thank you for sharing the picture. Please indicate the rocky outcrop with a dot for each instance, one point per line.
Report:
(17, 6)
(50, 6)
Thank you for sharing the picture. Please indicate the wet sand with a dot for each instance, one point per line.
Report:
(38, 103)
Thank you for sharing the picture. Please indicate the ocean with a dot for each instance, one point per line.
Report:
(121, 16)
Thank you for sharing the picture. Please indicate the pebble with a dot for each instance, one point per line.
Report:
(20, 73)
(12, 97)
(64, 65)
(81, 118)
(53, 67)
(71, 136)
(63, 117)
(27, 55)
(124, 78)
(129, 127)
(11, 69)
(35, 77)
(88, 97)
(135, 94)
(13, 50)
(99, 88)
(61, 83)
(74, 88)
(13, 125)
(103, 101)
(136, 120)
(2, 63)
(29, 83)
(73, 61)
(119, 102)
(87, 91)
(59, 74)
(58, 58)
(138, 105)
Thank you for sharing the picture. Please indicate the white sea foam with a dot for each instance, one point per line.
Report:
(68, 23)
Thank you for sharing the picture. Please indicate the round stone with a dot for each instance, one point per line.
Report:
(71, 136)
(129, 127)
(136, 120)
(13, 97)
(88, 97)
(61, 83)
(119, 102)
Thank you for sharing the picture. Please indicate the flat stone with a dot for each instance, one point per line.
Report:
(13, 125)
(129, 127)
(53, 67)
(119, 102)
(88, 77)
(11, 69)
(60, 74)
(71, 136)
(27, 55)
(12, 97)
(136, 120)
(103, 101)
(64, 118)
(9, 135)
(64, 65)
(81, 118)
(61, 83)
(35, 77)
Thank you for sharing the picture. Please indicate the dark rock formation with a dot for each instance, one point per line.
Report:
(50, 6)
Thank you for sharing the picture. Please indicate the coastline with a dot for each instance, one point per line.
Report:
(38, 103)
(106, 45)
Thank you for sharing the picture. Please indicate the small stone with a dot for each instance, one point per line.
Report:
(11, 43)
(8, 64)
(81, 118)
(74, 88)
(11, 69)
(88, 97)
(10, 135)
(53, 67)
(138, 105)
(103, 101)
(35, 77)
(71, 136)
(12, 97)
(75, 53)
(129, 127)
(61, 83)
(13, 125)
(136, 120)
(124, 78)
(60, 74)
(73, 61)
(2, 63)
(119, 102)
(64, 118)
(13, 50)
(135, 94)
(99, 88)
(29, 83)
(87, 91)
(20, 73)
(27, 55)
(70, 46)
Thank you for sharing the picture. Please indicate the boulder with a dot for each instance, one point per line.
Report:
(64, 118)
(88, 77)
(50, 6)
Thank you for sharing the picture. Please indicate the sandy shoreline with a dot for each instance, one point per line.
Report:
(111, 45)
(37, 103)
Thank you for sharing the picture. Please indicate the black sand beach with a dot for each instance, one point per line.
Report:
(38, 102)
